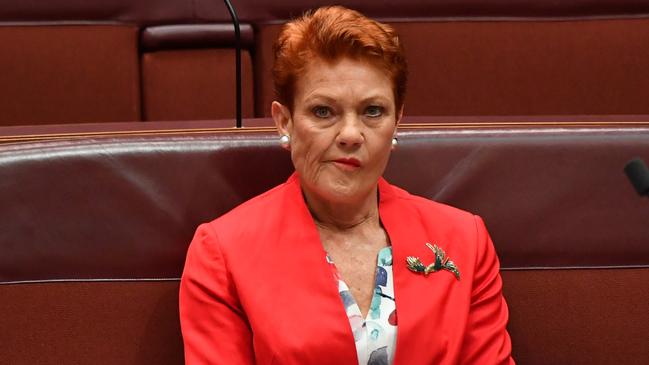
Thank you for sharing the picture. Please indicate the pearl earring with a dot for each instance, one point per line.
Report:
(395, 142)
(285, 140)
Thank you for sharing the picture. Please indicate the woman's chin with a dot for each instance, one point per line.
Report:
(344, 191)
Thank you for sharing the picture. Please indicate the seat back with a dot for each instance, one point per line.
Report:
(95, 226)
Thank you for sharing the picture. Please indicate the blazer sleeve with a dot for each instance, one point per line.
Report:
(214, 327)
(486, 340)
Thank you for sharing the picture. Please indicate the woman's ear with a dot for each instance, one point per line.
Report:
(282, 117)
(399, 116)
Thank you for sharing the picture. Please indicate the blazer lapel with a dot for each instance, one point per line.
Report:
(418, 337)
(318, 313)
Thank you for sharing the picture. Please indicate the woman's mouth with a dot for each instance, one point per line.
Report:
(347, 164)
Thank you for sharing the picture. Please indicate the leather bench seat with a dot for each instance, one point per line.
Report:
(173, 60)
(188, 72)
(96, 225)
(73, 73)
(491, 66)
(116, 61)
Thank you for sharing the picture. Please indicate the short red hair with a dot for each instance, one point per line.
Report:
(331, 33)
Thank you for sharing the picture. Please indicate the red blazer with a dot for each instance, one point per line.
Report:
(257, 289)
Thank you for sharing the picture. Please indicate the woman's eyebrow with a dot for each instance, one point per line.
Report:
(376, 99)
(317, 96)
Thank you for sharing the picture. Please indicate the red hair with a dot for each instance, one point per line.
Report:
(331, 33)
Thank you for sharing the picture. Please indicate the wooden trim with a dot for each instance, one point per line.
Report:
(403, 126)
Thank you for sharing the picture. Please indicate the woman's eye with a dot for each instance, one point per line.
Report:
(322, 112)
(373, 111)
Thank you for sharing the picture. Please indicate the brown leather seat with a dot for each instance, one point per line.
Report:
(96, 224)
(118, 61)
(68, 73)
(173, 60)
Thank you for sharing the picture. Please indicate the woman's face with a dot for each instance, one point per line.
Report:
(341, 128)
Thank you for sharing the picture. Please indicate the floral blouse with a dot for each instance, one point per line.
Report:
(375, 335)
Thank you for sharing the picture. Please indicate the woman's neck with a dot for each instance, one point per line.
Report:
(343, 216)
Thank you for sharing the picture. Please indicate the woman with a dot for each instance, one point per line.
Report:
(315, 270)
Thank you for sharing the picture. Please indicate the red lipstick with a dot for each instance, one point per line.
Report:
(351, 162)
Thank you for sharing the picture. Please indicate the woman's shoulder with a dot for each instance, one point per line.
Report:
(461, 234)
(425, 206)
(257, 217)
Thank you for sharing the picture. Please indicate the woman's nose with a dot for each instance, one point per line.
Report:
(351, 131)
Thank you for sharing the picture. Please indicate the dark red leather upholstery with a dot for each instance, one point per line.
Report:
(96, 217)
(96, 224)
(505, 67)
(194, 84)
(152, 12)
(194, 36)
(499, 58)
(51, 74)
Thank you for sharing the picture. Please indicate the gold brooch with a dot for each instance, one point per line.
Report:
(441, 263)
